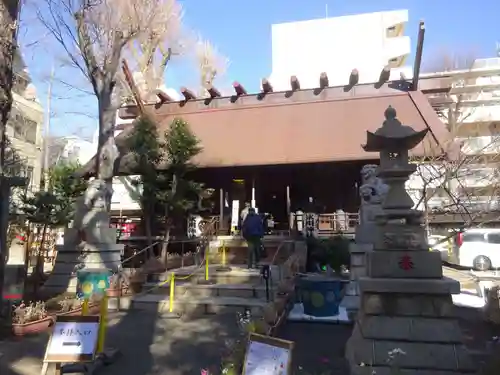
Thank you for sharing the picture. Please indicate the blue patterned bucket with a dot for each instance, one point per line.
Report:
(320, 295)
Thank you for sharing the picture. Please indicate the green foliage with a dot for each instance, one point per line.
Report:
(46, 208)
(333, 251)
(180, 194)
(163, 164)
(145, 144)
(55, 207)
(64, 184)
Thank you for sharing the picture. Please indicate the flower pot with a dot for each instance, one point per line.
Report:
(94, 309)
(321, 295)
(136, 286)
(114, 292)
(31, 328)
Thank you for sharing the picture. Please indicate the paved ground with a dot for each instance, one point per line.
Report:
(464, 277)
(153, 345)
(150, 346)
(319, 348)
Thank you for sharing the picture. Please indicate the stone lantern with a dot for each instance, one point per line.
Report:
(406, 318)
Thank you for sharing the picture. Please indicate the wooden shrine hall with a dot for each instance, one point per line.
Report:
(282, 149)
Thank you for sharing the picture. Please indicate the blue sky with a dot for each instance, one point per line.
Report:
(241, 30)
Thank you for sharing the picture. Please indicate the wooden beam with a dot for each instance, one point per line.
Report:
(354, 77)
(188, 94)
(266, 86)
(213, 92)
(133, 87)
(163, 96)
(418, 56)
(323, 81)
(239, 89)
(294, 83)
(385, 74)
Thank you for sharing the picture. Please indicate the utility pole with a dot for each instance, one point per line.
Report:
(46, 142)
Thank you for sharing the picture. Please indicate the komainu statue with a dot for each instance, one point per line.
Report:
(372, 193)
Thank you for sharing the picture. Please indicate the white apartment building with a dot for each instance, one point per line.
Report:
(366, 42)
(24, 128)
(471, 107)
(70, 149)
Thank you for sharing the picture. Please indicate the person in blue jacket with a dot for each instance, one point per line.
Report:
(253, 230)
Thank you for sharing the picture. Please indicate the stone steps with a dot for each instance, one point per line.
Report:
(234, 290)
(196, 275)
(210, 290)
(188, 305)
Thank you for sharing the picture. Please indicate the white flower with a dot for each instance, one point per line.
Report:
(396, 351)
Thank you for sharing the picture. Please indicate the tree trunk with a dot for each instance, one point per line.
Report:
(106, 151)
(8, 28)
(166, 238)
(168, 221)
(149, 235)
(40, 260)
(27, 247)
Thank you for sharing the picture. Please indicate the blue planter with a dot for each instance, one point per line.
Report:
(320, 295)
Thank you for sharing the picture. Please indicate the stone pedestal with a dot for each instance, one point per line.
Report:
(90, 244)
(406, 322)
(97, 250)
(358, 269)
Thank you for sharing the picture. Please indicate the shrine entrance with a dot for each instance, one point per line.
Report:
(282, 189)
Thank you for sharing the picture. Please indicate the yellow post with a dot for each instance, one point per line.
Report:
(207, 256)
(85, 306)
(102, 324)
(172, 290)
(450, 248)
(223, 254)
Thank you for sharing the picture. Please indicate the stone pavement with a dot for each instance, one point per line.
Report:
(319, 347)
(150, 345)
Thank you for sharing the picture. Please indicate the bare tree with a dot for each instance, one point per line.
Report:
(8, 29)
(461, 177)
(150, 53)
(210, 63)
(95, 34)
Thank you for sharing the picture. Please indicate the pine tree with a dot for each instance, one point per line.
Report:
(148, 151)
(180, 193)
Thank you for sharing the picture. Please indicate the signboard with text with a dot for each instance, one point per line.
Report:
(267, 355)
(74, 339)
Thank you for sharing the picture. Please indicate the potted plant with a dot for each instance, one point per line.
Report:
(71, 306)
(115, 286)
(30, 318)
(136, 281)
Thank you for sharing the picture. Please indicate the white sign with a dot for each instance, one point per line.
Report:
(73, 339)
(265, 359)
(235, 214)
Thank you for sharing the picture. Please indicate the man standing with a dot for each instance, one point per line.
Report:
(253, 230)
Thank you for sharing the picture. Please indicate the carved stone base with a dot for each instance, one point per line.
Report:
(412, 334)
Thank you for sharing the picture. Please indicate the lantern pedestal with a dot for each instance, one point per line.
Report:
(406, 320)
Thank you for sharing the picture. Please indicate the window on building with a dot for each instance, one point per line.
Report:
(25, 129)
(494, 238)
(28, 173)
(20, 84)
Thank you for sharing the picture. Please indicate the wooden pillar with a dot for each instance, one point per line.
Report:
(221, 209)
(289, 208)
(253, 203)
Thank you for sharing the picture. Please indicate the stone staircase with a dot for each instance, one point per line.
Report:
(231, 289)
(234, 290)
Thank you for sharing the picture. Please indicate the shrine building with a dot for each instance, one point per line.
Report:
(279, 149)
